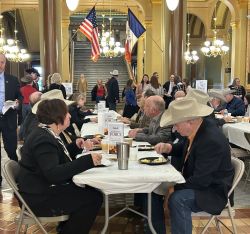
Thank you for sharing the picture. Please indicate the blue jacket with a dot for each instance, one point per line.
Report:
(236, 107)
(130, 97)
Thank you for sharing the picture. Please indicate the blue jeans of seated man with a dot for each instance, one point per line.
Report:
(158, 218)
(181, 203)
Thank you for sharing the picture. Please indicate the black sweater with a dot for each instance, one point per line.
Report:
(44, 163)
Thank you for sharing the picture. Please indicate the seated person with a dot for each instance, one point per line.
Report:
(217, 100)
(30, 122)
(179, 94)
(141, 120)
(47, 165)
(234, 105)
(204, 159)
(154, 108)
(77, 115)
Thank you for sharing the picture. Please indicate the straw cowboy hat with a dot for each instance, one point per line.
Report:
(114, 73)
(198, 95)
(32, 70)
(227, 91)
(52, 94)
(184, 109)
(217, 94)
(27, 79)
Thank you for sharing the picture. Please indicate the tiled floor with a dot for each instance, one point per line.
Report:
(126, 223)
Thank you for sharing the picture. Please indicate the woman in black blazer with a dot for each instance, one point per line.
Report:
(47, 168)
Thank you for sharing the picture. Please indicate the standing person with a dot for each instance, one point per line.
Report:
(142, 86)
(26, 91)
(113, 90)
(9, 90)
(49, 165)
(82, 85)
(204, 159)
(168, 87)
(98, 93)
(240, 91)
(177, 85)
(35, 75)
(155, 86)
(130, 107)
(56, 83)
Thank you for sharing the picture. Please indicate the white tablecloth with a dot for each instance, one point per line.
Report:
(139, 178)
(91, 128)
(235, 134)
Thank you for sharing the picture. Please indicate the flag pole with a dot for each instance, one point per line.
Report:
(70, 39)
(156, 43)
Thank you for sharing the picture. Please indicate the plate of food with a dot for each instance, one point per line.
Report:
(153, 161)
(145, 147)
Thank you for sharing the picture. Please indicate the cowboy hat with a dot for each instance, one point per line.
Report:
(32, 70)
(52, 94)
(184, 109)
(114, 73)
(27, 79)
(198, 95)
(227, 91)
(217, 94)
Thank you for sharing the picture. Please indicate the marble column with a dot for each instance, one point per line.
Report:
(148, 47)
(48, 41)
(176, 40)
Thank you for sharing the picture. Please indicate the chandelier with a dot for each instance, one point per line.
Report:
(10, 47)
(190, 57)
(215, 47)
(109, 48)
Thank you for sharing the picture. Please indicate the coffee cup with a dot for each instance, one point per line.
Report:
(129, 140)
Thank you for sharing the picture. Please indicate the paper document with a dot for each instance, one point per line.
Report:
(7, 105)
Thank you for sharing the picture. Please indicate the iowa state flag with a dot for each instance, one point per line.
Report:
(134, 30)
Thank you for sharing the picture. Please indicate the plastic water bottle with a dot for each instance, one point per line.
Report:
(225, 112)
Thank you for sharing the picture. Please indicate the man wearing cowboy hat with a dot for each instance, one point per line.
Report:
(234, 105)
(113, 90)
(204, 160)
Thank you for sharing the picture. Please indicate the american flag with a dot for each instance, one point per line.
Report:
(89, 28)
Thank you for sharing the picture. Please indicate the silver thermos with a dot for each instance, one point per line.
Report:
(122, 155)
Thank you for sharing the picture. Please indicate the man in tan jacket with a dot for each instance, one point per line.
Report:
(82, 85)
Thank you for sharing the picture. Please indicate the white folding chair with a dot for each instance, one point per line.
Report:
(26, 216)
(238, 172)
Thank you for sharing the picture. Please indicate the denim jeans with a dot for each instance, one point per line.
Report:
(158, 218)
(181, 203)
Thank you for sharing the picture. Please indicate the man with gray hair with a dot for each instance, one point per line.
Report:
(204, 161)
(154, 108)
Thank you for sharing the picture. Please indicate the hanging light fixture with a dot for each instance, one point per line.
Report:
(12, 51)
(190, 57)
(215, 47)
(72, 4)
(109, 47)
(172, 4)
